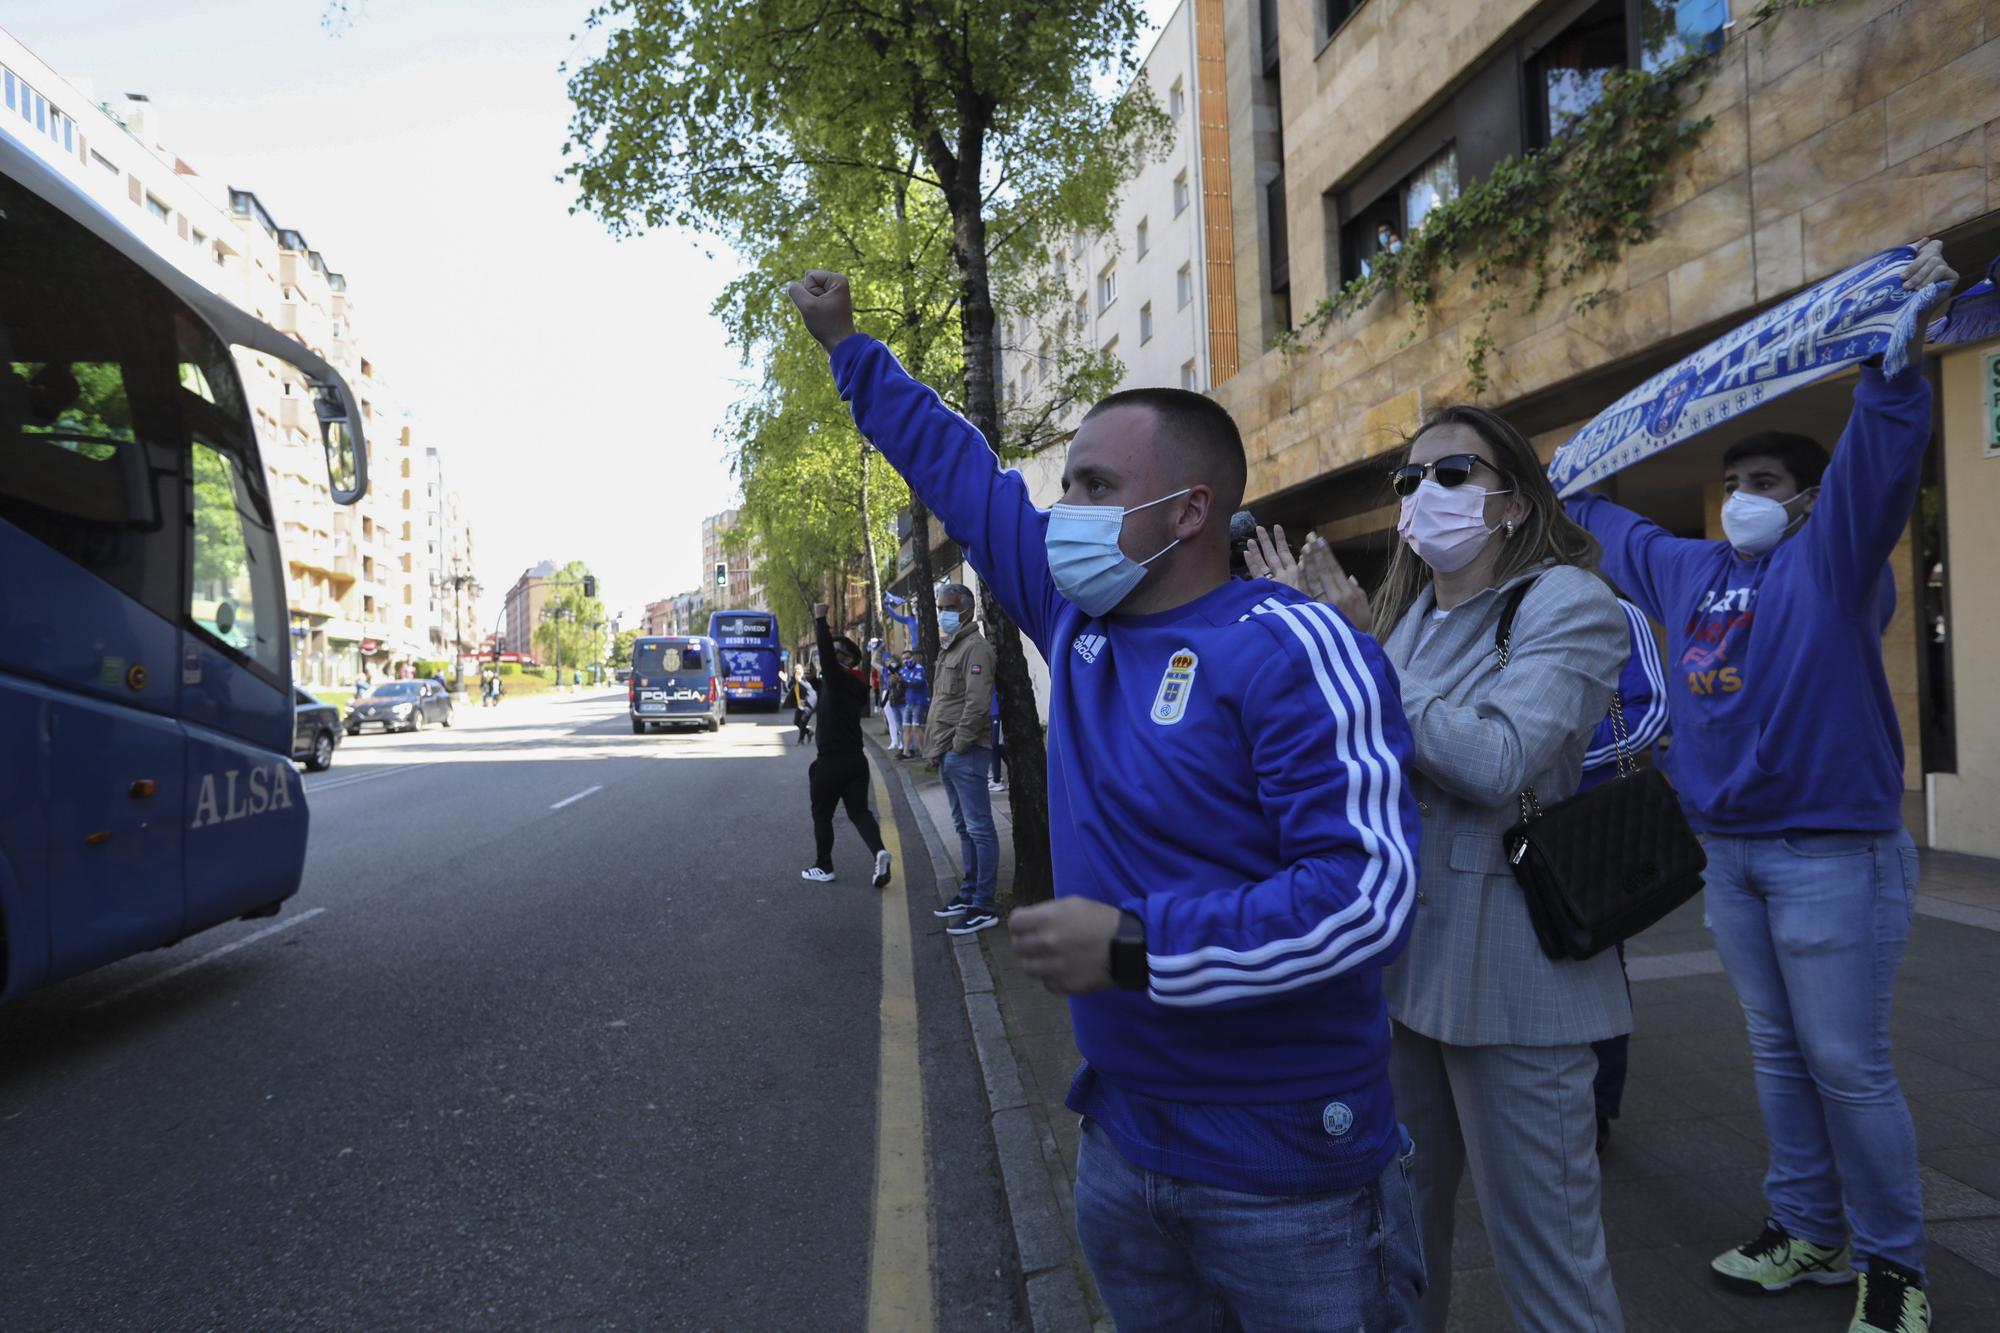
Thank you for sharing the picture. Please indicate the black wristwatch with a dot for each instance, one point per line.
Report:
(1128, 953)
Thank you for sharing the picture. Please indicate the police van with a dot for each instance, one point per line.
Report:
(676, 682)
(146, 708)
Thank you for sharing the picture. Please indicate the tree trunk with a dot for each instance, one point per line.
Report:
(1034, 877)
(923, 595)
(868, 550)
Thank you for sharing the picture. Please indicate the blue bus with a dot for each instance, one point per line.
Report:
(147, 789)
(752, 671)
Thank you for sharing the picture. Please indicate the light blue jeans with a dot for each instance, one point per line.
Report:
(1811, 930)
(972, 815)
(1169, 1254)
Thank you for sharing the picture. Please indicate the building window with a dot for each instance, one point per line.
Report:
(1181, 193)
(1333, 15)
(103, 161)
(1042, 362)
(1111, 347)
(1145, 243)
(158, 209)
(1177, 98)
(1184, 286)
(1107, 287)
(1146, 322)
(1398, 212)
(1187, 376)
(7, 77)
(1083, 314)
(1566, 77)
(1279, 244)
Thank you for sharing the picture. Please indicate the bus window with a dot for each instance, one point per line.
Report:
(88, 427)
(232, 597)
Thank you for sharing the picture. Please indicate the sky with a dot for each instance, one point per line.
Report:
(574, 384)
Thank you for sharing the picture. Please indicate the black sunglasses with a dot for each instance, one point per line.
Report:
(1451, 470)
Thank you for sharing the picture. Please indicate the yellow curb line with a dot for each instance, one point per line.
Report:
(899, 1259)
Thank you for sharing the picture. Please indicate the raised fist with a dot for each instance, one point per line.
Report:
(819, 610)
(826, 304)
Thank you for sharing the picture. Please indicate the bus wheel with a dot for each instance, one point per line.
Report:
(322, 752)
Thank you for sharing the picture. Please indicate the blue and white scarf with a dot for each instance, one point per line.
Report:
(1850, 317)
(1974, 314)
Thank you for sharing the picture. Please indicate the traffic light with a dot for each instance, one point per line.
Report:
(590, 585)
(721, 573)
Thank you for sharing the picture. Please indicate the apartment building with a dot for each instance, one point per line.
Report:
(743, 590)
(683, 613)
(358, 591)
(523, 607)
(1835, 130)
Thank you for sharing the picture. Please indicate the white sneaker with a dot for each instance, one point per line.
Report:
(816, 875)
(882, 867)
(996, 787)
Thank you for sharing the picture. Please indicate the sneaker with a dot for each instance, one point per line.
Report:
(1777, 1260)
(973, 920)
(954, 907)
(882, 867)
(1891, 1300)
(996, 787)
(816, 875)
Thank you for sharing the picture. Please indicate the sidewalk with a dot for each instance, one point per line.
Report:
(1683, 1173)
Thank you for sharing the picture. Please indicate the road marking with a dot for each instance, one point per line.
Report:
(208, 957)
(899, 1255)
(572, 800)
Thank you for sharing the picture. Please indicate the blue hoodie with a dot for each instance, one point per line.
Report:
(1233, 772)
(1781, 710)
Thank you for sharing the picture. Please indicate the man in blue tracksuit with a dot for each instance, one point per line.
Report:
(1788, 759)
(1233, 836)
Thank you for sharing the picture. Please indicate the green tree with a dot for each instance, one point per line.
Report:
(621, 648)
(976, 118)
(571, 632)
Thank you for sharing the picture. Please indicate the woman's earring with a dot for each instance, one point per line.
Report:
(1510, 529)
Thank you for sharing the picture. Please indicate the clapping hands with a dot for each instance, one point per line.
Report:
(1314, 571)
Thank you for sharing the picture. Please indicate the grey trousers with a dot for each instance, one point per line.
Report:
(1523, 1118)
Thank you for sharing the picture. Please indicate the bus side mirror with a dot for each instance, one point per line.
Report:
(341, 436)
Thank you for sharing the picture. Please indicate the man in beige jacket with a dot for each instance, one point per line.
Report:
(958, 744)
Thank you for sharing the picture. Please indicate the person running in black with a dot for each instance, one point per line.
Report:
(840, 774)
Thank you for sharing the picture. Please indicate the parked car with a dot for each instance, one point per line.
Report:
(400, 705)
(315, 731)
(621, 674)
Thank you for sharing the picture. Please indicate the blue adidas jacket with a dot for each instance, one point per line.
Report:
(1642, 687)
(1233, 771)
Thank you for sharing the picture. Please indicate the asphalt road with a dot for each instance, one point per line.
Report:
(553, 1036)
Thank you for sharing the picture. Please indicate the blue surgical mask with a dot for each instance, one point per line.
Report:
(1088, 567)
(950, 621)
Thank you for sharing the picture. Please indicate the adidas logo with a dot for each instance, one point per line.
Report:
(1088, 646)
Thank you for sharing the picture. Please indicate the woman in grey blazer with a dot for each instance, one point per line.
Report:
(1491, 1057)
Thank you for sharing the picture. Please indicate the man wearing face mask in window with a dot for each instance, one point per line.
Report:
(1233, 838)
(1789, 760)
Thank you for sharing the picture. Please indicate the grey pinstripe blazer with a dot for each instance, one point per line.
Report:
(1473, 974)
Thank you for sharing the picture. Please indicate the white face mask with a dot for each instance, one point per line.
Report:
(1755, 523)
(1446, 525)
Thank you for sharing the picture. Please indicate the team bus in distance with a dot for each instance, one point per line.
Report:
(147, 789)
(751, 673)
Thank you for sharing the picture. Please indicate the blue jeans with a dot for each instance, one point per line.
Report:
(1169, 1254)
(972, 815)
(1811, 930)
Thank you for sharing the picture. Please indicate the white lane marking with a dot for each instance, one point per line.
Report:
(572, 800)
(208, 957)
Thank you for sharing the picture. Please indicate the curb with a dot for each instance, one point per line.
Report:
(1055, 1298)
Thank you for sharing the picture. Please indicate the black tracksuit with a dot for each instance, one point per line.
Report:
(840, 774)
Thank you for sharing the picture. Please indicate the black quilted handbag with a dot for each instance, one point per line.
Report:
(1602, 866)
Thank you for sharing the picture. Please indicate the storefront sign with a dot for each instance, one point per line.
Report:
(1991, 381)
(369, 646)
